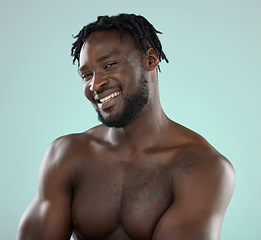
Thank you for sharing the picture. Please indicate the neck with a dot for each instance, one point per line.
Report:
(150, 125)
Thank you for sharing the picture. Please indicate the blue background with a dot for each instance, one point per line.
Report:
(211, 85)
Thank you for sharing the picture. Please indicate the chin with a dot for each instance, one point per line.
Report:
(112, 122)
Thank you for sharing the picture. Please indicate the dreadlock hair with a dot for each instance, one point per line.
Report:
(138, 27)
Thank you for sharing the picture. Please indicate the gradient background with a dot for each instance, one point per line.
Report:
(211, 85)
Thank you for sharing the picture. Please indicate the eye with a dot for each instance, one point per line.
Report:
(86, 76)
(109, 65)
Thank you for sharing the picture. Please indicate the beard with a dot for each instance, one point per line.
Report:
(133, 106)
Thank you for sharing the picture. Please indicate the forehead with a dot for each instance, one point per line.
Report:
(104, 43)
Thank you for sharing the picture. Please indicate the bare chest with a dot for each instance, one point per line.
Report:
(112, 201)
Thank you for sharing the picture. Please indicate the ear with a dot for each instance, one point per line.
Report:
(151, 60)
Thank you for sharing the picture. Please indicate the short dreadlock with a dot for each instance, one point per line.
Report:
(139, 28)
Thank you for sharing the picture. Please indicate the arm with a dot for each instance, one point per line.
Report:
(202, 191)
(48, 217)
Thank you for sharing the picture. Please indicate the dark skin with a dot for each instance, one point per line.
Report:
(152, 179)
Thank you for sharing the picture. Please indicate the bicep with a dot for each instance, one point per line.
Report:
(181, 224)
(200, 201)
(49, 214)
(46, 219)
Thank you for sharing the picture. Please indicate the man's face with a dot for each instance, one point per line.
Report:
(113, 78)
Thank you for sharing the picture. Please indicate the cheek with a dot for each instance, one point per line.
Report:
(129, 77)
(86, 91)
(131, 82)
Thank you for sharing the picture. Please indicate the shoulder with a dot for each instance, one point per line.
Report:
(73, 145)
(63, 160)
(64, 148)
(198, 163)
(200, 155)
(74, 148)
(67, 150)
(201, 173)
(194, 154)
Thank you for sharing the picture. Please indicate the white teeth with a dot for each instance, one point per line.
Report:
(109, 97)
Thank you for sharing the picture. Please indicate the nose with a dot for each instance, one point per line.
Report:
(97, 82)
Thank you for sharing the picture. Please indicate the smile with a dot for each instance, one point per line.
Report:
(109, 97)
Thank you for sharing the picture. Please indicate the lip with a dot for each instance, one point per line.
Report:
(109, 103)
(105, 93)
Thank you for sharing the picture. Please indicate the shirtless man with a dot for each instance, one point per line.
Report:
(138, 175)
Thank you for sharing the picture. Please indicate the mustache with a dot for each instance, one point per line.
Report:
(104, 88)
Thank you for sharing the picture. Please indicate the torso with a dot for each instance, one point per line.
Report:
(122, 194)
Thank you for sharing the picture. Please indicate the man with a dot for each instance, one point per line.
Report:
(138, 175)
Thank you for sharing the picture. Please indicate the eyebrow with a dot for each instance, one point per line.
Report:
(100, 59)
(104, 57)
